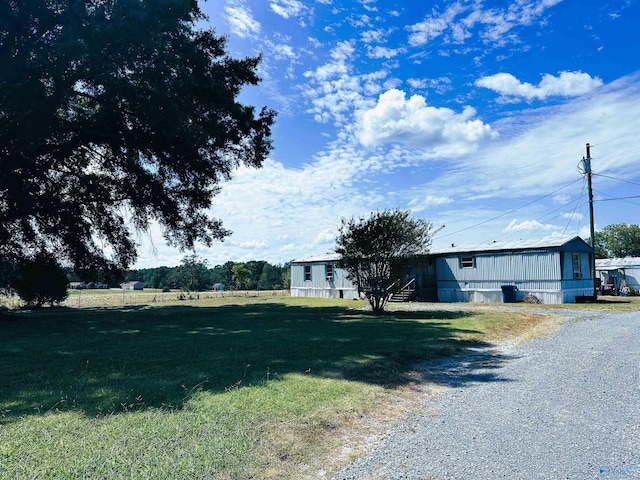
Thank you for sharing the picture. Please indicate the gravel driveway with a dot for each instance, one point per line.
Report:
(563, 407)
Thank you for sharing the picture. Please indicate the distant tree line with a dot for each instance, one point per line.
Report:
(195, 274)
(41, 280)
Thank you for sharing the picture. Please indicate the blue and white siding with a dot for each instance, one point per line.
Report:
(555, 271)
(556, 274)
(319, 277)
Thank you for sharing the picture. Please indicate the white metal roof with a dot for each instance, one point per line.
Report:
(607, 263)
(329, 257)
(550, 242)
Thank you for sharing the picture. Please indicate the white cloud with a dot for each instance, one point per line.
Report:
(326, 235)
(432, 27)
(375, 36)
(254, 244)
(566, 84)
(494, 25)
(287, 8)
(314, 42)
(283, 51)
(418, 82)
(384, 52)
(240, 19)
(422, 203)
(337, 66)
(527, 226)
(585, 231)
(440, 85)
(365, 4)
(561, 199)
(290, 212)
(411, 122)
(335, 92)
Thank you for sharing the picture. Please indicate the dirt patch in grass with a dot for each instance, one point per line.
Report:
(528, 326)
(322, 444)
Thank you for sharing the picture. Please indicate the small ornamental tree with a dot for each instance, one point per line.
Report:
(41, 281)
(377, 251)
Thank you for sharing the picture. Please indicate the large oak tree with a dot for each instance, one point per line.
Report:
(115, 114)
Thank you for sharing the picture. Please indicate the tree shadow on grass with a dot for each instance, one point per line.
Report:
(111, 360)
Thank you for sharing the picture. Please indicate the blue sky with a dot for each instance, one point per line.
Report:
(472, 114)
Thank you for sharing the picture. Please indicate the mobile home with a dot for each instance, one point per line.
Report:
(319, 277)
(554, 270)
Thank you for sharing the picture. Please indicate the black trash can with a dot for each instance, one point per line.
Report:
(509, 293)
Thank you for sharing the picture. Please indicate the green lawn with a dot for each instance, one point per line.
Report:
(221, 388)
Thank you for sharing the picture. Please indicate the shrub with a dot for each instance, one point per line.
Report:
(41, 281)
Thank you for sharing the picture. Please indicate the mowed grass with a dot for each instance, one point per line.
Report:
(221, 388)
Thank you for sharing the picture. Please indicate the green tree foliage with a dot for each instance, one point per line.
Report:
(192, 275)
(255, 267)
(285, 271)
(41, 280)
(241, 276)
(270, 278)
(264, 276)
(377, 251)
(223, 274)
(115, 114)
(151, 277)
(618, 240)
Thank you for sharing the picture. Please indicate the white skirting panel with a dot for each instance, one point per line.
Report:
(549, 297)
(324, 292)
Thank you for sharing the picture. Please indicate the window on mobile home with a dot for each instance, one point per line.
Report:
(467, 262)
(328, 270)
(577, 265)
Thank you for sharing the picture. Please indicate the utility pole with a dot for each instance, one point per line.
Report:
(586, 163)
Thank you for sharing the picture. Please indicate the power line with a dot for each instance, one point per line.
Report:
(510, 211)
(611, 197)
(549, 215)
(578, 202)
(616, 198)
(618, 179)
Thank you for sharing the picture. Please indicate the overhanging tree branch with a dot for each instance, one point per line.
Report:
(111, 103)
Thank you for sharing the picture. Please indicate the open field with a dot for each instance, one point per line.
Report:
(233, 387)
(149, 296)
